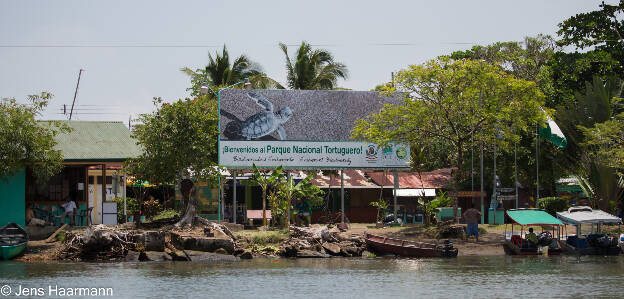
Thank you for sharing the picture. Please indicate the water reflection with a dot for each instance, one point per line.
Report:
(496, 276)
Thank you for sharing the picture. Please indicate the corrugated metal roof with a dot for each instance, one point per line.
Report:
(352, 179)
(437, 179)
(97, 141)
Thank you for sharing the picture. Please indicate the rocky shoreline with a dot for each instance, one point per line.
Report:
(209, 241)
(206, 241)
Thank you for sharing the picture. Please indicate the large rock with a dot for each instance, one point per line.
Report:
(201, 256)
(177, 255)
(156, 256)
(201, 244)
(246, 255)
(311, 254)
(154, 241)
(332, 248)
(133, 256)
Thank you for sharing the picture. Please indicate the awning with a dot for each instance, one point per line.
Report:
(415, 192)
(578, 215)
(532, 217)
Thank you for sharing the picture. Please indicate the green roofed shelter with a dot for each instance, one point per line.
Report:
(97, 141)
(531, 217)
(93, 154)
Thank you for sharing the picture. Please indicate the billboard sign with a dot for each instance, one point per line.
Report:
(302, 129)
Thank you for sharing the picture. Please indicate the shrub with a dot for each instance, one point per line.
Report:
(552, 205)
(166, 214)
(132, 205)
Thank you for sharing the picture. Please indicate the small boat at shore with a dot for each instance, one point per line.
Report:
(13, 240)
(410, 248)
(595, 243)
(516, 244)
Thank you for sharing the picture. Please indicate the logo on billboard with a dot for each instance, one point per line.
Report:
(371, 152)
(401, 152)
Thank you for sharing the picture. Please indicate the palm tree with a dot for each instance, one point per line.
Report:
(221, 72)
(313, 69)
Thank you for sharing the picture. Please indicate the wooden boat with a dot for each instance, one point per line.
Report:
(515, 244)
(595, 243)
(13, 240)
(410, 248)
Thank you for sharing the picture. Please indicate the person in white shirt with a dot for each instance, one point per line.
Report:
(69, 208)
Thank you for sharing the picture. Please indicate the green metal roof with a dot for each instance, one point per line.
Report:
(533, 217)
(97, 141)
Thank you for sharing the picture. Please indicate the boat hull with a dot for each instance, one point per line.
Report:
(13, 241)
(9, 252)
(408, 248)
(590, 250)
(513, 249)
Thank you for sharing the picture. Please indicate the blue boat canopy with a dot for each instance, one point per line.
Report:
(532, 217)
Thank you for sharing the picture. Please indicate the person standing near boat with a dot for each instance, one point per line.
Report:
(472, 217)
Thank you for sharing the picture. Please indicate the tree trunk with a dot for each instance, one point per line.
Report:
(264, 222)
(191, 209)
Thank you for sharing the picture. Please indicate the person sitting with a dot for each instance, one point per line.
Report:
(531, 237)
(69, 207)
(30, 217)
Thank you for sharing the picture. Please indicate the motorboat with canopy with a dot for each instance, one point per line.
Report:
(594, 243)
(516, 241)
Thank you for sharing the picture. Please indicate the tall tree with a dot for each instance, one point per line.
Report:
(313, 68)
(599, 34)
(178, 141)
(26, 142)
(450, 101)
(221, 72)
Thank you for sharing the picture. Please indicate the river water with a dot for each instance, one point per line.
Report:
(496, 276)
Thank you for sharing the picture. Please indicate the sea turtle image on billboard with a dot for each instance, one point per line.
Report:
(304, 115)
(265, 122)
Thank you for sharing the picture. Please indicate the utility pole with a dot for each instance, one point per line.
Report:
(75, 94)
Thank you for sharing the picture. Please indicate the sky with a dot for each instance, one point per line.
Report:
(132, 51)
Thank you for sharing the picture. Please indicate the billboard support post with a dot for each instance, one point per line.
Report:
(342, 210)
(396, 187)
(234, 211)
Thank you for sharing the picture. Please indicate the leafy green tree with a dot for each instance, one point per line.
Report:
(313, 69)
(221, 72)
(450, 101)
(606, 140)
(526, 60)
(26, 142)
(552, 205)
(599, 34)
(178, 141)
(264, 181)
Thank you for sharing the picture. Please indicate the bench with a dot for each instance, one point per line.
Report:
(257, 215)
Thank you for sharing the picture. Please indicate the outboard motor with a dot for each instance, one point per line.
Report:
(604, 241)
(544, 239)
(449, 250)
(389, 218)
